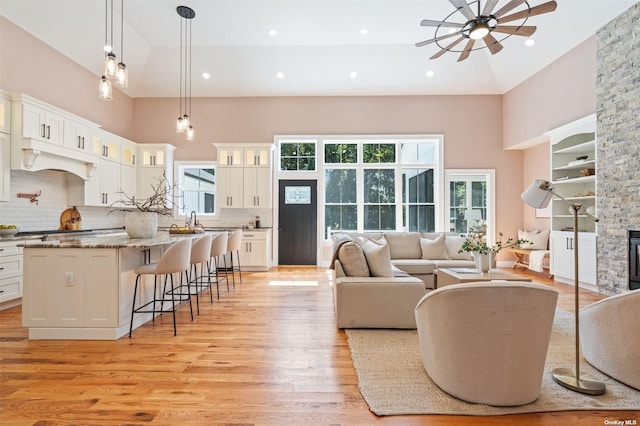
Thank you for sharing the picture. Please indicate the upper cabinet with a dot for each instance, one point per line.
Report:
(230, 156)
(244, 156)
(257, 156)
(573, 173)
(39, 123)
(244, 175)
(155, 161)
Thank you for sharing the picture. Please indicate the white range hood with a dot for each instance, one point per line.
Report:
(34, 155)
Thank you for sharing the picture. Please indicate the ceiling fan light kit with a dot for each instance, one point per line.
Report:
(481, 24)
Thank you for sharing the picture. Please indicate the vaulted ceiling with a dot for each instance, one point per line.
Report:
(318, 45)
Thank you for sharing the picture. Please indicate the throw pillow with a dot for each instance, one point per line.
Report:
(435, 249)
(540, 239)
(378, 258)
(353, 261)
(404, 245)
(454, 244)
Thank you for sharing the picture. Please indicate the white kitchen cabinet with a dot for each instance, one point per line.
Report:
(230, 156)
(10, 273)
(155, 163)
(5, 166)
(77, 136)
(258, 156)
(128, 152)
(70, 288)
(255, 253)
(5, 113)
(563, 262)
(257, 187)
(128, 181)
(39, 123)
(100, 190)
(106, 145)
(230, 187)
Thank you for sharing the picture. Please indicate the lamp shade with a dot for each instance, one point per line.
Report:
(538, 194)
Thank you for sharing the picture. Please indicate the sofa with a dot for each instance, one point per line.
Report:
(381, 276)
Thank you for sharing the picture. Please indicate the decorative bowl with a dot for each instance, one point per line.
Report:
(588, 172)
(582, 157)
(9, 232)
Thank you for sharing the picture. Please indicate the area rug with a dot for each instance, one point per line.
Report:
(392, 379)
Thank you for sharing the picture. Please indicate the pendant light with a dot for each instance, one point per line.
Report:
(183, 123)
(122, 74)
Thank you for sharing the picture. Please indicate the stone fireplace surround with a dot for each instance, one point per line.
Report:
(618, 155)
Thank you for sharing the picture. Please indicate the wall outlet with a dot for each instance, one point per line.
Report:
(68, 279)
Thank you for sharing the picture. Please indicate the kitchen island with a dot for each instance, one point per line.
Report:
(82, 288)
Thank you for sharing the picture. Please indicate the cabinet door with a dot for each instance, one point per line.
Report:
(231, 157)
(230, 187)
(257, 187)
(254, 252)
(257, 157)
(110, 181)
(128, 181)
(76, 136)
(128, 152)
(5, 166)
(5, 115)
(562, 251)
(54, 126)
(101, 288)
(148, 178)
(33, 122)
(587, 259)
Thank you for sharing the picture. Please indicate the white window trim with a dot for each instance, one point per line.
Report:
(490, 176)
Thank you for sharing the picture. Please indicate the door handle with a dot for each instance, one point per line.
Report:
(44, 134)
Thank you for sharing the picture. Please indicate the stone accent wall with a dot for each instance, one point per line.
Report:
(618, 156)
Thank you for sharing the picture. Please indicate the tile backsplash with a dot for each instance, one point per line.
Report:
(45, 215)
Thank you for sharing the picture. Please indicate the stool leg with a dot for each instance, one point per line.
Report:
(173, 303)
(133, 308)
(195, 283)
(239, 267)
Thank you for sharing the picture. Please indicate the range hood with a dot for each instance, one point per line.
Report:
(34, 155)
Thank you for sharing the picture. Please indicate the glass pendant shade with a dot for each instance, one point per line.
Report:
(180, 125)
(104, 89)
(190, 133)
(122, 75)
(110, 66)
(185, 122)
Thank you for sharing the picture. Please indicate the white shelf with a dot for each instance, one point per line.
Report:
(591, 164)
(581, 179)
(584, 198)
(583, 148)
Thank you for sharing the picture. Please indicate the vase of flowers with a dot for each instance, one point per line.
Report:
(483, 254)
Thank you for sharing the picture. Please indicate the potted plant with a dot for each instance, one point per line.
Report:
(476, 244)
(141, 217)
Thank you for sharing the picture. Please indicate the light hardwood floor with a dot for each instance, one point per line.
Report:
(267, 353)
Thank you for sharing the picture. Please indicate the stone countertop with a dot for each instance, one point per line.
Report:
(110, 241)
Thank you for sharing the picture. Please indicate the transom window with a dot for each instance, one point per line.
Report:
(298, 156)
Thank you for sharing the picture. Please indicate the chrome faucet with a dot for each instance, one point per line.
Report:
(193, 219)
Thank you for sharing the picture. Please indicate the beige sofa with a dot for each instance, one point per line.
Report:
(380, 277)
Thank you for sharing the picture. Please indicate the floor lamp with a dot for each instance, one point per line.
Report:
(539, 195)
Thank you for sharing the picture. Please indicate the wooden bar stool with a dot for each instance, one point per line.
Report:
(174, 261)
(199, 256)
(218, 250)
(233, 245)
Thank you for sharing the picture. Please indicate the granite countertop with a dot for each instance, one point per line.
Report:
(109, 241)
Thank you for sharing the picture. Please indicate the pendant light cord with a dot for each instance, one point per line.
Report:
(181, 53)
(122, 31)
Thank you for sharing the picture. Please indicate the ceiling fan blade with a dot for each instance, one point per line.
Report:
(547, 7)
(467, 50)
(433, 40)
(526, 31)
(431, 23)
(446, 49)
(508, 7)
(493, 45)
(488, 7)
(464, 8)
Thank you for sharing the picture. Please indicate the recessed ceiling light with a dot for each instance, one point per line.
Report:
(206, 75)
(273, 33)
(430, 73)
(530, 42)
(280, 74)
(364, 31)
(353, 74)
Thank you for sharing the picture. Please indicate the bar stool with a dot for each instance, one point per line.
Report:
(174, 260)
(233, 245)
(218, 249)
(199, 256)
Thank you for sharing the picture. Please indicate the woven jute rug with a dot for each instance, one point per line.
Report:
(393, 381)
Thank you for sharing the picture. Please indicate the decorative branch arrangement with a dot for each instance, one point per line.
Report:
(163, 200)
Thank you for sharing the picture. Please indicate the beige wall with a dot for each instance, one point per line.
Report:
(560, 93)
(536, 166)
(30, 66)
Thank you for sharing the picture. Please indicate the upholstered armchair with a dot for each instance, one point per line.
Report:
(609, 330)
(487, 342)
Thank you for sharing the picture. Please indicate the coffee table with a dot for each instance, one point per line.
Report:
(448, 276)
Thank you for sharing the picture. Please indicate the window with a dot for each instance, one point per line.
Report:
(418, 199)
(379, 199)
(337, 153)
(298, 156)
(197, 183)
(341, 208)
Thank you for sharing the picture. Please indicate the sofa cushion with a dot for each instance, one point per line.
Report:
(353, 260)
(434, 249)
(378, 258)
(540, 239)
(415, 266)
(404, 245)
(454, 263)
(454, 244)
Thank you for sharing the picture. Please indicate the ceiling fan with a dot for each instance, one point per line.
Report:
(481, 25)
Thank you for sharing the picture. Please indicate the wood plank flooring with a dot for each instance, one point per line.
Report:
(267, 353)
